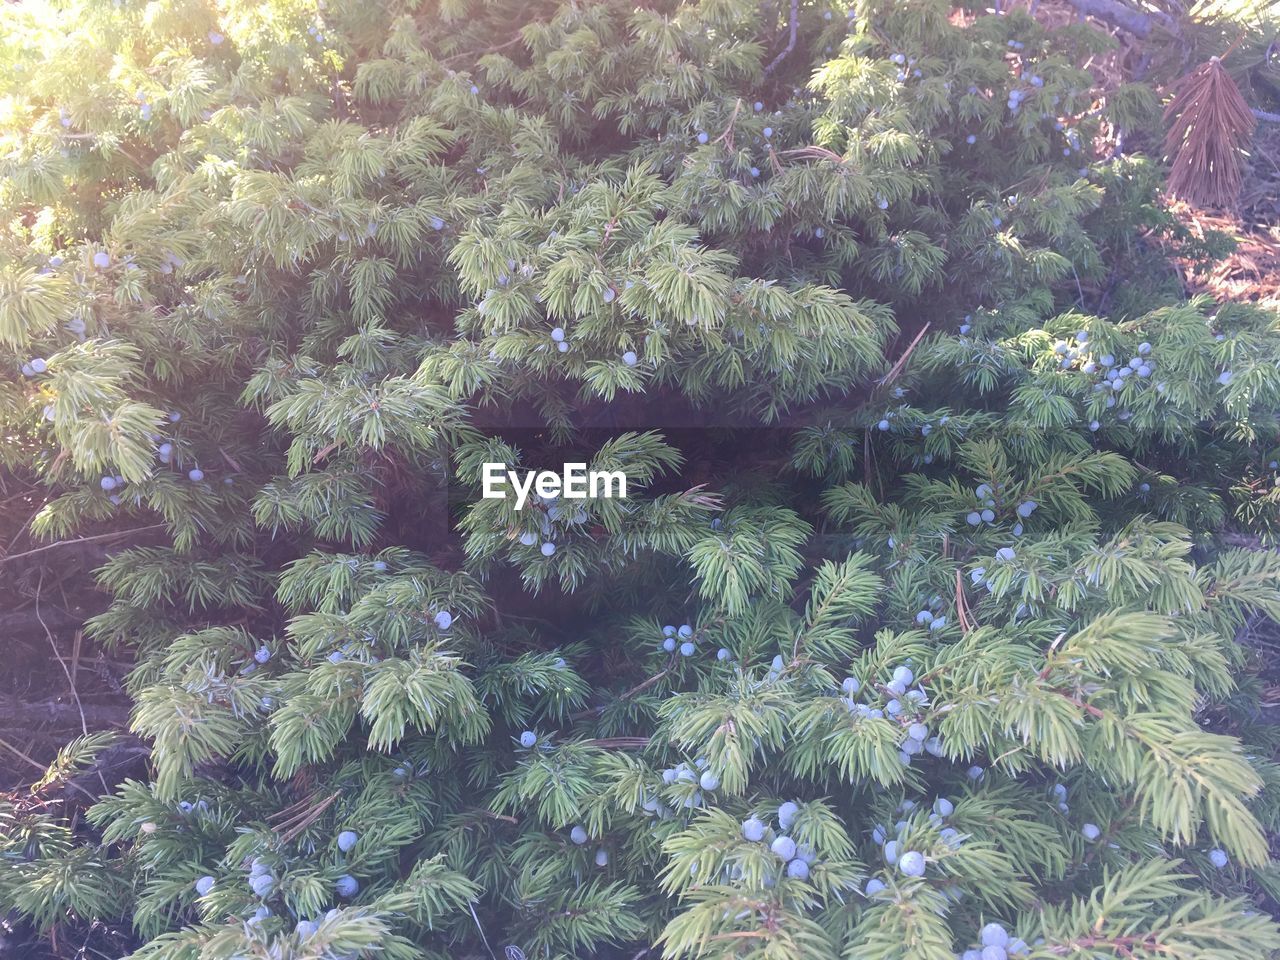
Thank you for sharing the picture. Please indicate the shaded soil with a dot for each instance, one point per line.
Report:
(55, 684)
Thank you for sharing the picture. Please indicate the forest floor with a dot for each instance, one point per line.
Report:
(55, 684)
(1252, 272)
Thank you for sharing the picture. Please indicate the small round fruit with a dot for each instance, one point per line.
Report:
(346, 886)
(784, 848)
(994, 935)
(262, 885)
(798, 870)
(912, 864)
(787, 814)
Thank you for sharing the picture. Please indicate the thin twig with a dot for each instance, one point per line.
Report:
(727, 137)
(486, 51)
(63, 543)
(902, 360)
(294, 832)
(814, 152)
(71, 680)
(472, 907)
(31, 760)
(618, 743)
(962, 612)
(77, 643)
(53, 645)
(42, 768)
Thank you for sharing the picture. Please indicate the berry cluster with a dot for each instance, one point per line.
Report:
(909, 862)
(899, 701)
(985, 511)
(1117, 380)
(796, 858)
(684, 773)
(996, 945)
(549, 512)
(261, 880)
(681, 637)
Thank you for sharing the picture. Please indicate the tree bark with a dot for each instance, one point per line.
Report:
(1117, 14)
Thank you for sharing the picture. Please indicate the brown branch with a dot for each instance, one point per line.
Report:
(727, 137)
(1088, 708)
(794, 21)
(1115, 13)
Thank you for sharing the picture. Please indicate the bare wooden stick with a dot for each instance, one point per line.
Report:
(63, 543)
(902, 360)
(962, 607)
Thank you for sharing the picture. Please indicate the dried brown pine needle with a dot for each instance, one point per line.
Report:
(1209, 126)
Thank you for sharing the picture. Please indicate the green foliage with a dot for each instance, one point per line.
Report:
(293, 273)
